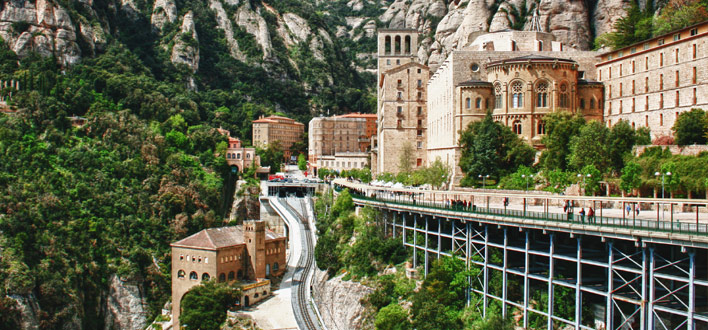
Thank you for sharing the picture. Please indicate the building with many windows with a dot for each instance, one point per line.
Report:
(248, 253)
(650, 83)
(340, 142)
(267, 130)
(520, 76)
(401, 107)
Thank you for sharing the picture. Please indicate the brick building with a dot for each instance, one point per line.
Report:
(286, 131)
(401, 106)
(650, 83)
(247, 253)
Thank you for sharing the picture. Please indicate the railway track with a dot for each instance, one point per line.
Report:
(303, 278)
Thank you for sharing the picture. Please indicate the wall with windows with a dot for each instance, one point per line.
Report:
(648, 84)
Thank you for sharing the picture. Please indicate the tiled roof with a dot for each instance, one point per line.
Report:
(358, 115)
(215, 238)
(475, 82)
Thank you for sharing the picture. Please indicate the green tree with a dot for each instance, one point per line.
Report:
(204, 306)
(392, 317)
(622, 138)
(671, 182)
(592, 182)
(489, 148)
(631, 178)
(678, 14)
(301, 162)
(590, 147)
(636, 25)
(691, 127)
(271, 155)
(560, 128)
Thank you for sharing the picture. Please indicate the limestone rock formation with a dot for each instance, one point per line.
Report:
(164, 11)
(186, 48)
(256, 25)
(43, 27)
(606, 13)
(567, 21)
(125, 306)
(225, 25)
(339, 301)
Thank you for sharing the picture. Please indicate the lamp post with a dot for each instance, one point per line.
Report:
(527, 177)
(663, 175)
(584, 176)
(484, 178)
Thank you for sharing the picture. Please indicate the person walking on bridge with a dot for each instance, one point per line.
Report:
(591, 215)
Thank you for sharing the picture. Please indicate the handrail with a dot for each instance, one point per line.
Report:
(596, 220)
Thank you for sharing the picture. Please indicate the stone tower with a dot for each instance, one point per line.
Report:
(254, 237)
(401, 104)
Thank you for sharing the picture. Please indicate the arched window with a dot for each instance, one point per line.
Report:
(582, 104)
(193, 276)
(498, 96)
(592, 103)
(516, 126)
(255, 295)
(517, 95)
(478, 103)
(542, 95)
(248, 156)
(541, 128)
(180, 274)
(238, 155)
(222, 277)
(468, 103)
(564, 101)
(387, 45)
(267, 269)
(275, 267)
(231, 276)
(205, 277)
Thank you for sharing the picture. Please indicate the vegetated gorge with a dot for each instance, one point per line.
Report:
(87, 212)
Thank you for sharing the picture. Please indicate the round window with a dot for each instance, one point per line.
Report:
(474, 67)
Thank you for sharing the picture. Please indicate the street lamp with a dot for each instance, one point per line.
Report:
(484, 178)
(663, 217)
(527, 177)
(583, 176)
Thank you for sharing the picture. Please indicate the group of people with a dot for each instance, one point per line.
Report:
(568, 209)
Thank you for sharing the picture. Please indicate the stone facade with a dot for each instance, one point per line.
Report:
(650, 83)
(347, 137)
(267, 130)
(401, 109)
(344, 161)
(245, 253)
(506, 63)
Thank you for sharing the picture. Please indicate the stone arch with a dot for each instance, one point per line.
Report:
(397, 45)
(193, 276)
(206, 277)
(181, 274)
(231, 275)
(222, 277)
(408, 44)
(388, 46)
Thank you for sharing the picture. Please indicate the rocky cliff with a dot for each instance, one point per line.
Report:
(125, 306)
(339, 301)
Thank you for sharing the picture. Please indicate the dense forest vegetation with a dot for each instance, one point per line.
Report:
(80, 204)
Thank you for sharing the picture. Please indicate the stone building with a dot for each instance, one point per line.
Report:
(248, 253)
(347, 137)
(401, 106)
(240, 157)
(286, 131)
(520, 76)
(650, 83)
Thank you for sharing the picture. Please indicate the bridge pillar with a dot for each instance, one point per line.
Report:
(551, 300)
(527, 246)
(504, 274)
(609, 308)
(426, 246)
(652, 290)
(485, 285)
(578, 280)
(691, 289)
(415, 240)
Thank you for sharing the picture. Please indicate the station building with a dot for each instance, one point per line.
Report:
(248, 253)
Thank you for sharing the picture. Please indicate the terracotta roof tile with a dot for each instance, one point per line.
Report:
(213, 238)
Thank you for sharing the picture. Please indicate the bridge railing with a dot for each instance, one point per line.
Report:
(570, 217)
